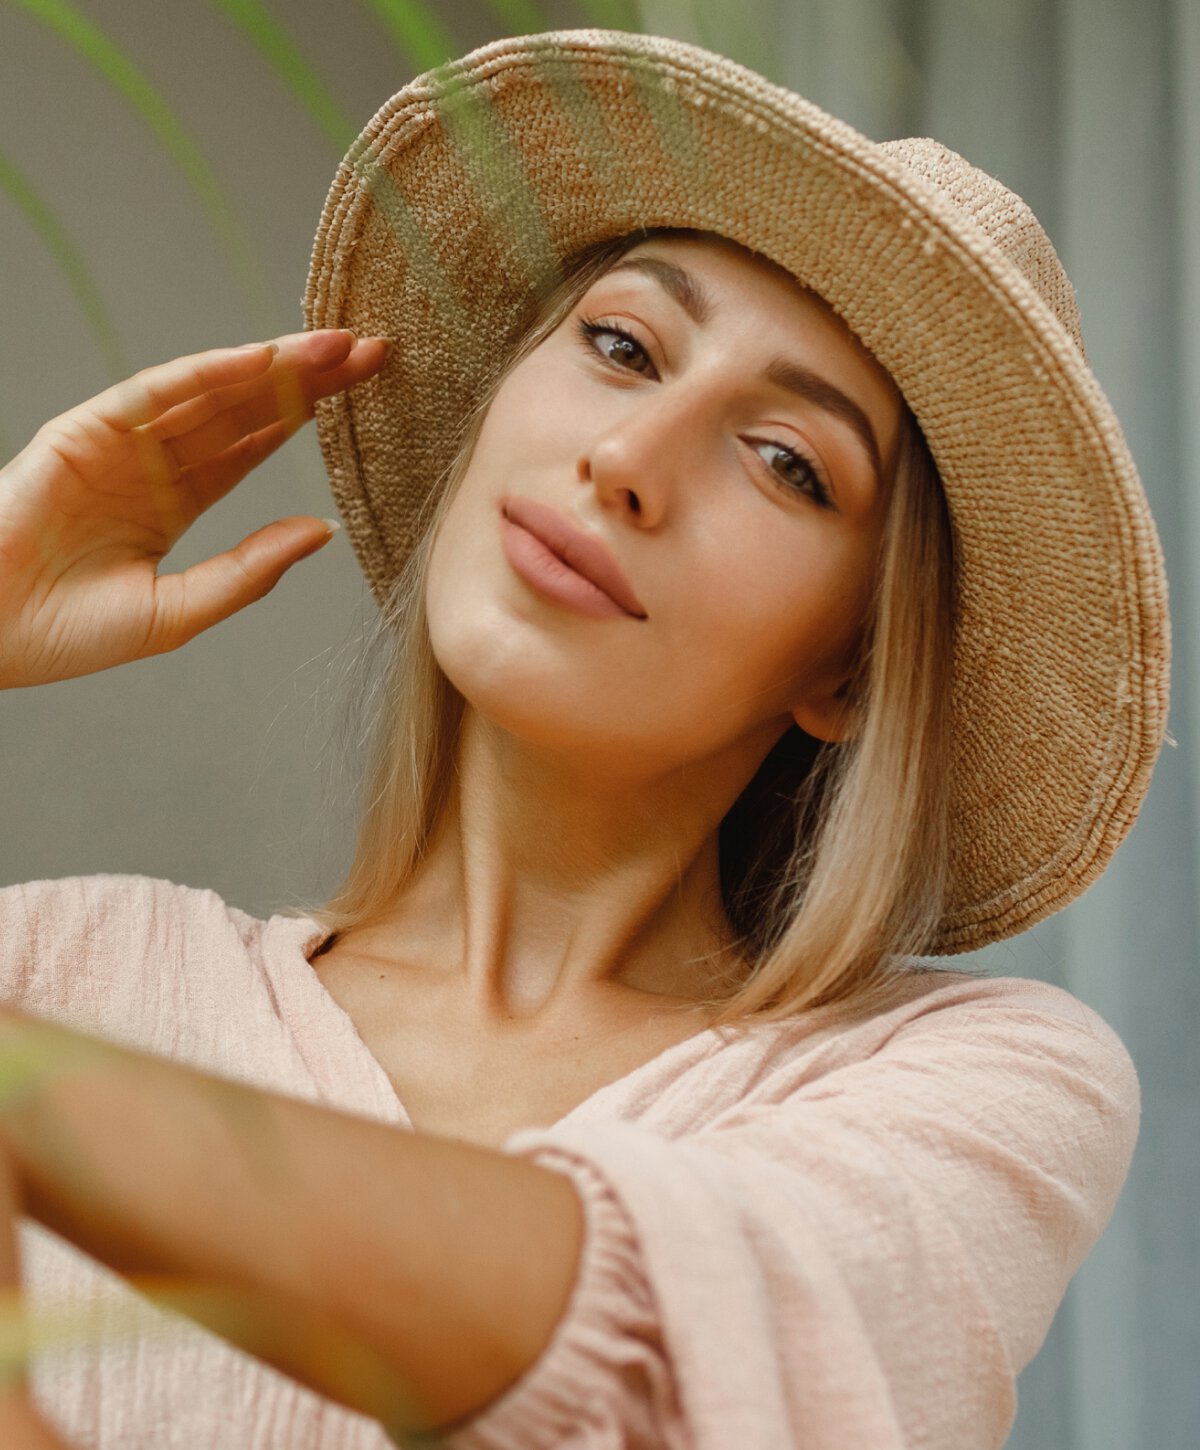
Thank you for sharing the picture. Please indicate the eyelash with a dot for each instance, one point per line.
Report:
(590, 328)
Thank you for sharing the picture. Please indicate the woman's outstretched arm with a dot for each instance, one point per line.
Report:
(410, 1278)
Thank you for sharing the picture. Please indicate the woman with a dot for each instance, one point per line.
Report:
(685, 729)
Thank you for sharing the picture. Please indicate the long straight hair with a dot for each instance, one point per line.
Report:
(833, 859)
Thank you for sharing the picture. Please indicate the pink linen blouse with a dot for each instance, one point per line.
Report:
(840, 1230)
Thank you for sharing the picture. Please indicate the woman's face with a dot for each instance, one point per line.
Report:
(725, 440)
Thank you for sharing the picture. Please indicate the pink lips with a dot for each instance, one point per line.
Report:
(584, 553)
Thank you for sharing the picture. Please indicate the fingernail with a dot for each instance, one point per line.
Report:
(332, 525)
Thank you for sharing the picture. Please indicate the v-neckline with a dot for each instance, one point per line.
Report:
(328, 1040)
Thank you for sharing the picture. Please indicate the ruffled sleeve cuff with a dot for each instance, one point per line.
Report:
(603, 1379)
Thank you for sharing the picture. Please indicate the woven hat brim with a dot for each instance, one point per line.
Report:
(456, 207)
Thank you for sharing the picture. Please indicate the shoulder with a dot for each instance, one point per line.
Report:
(104, 890)
(966, 1068)
(949, 1020)
(96, 951)
(933, 1001)
(1017, 1034)
(125, 907)
(1014, 1020)
(1015, 1076)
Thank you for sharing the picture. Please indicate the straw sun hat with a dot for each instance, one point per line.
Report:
(453, 211)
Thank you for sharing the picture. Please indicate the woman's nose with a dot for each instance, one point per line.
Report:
(636, 462)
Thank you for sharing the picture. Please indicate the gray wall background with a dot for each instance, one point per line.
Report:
(163, 164)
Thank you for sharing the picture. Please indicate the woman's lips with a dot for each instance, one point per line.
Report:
(564, 563)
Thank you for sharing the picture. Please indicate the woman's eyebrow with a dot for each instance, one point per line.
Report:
(677, 283)
(816, 389)
(697, 303)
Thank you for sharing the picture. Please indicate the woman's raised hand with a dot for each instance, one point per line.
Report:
(102, 492)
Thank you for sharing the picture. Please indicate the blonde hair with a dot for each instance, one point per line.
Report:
(833, 859)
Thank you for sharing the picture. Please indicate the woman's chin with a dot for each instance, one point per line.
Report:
(541, 721)
(579, 728)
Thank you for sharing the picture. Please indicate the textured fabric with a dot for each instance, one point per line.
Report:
(831, 1231)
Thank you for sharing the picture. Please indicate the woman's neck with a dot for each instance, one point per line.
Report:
(549, 881)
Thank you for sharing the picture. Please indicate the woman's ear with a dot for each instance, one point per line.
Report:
(831, 716)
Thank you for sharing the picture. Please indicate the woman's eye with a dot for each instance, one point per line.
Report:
(792, 470)
(620, 348)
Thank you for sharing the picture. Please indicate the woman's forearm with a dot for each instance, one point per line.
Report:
(411, 1278)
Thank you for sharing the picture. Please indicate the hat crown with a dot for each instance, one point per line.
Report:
(1006, 219)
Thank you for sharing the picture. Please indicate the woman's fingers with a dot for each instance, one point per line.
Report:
(153, 392)
(253, 428)
(204, 483)
(294, 353)
(150, 393)
(366, 357)
(217, 422)
(197, 430)
(190, 602)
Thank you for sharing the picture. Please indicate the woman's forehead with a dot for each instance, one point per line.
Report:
(697, 244)
(689, 248)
